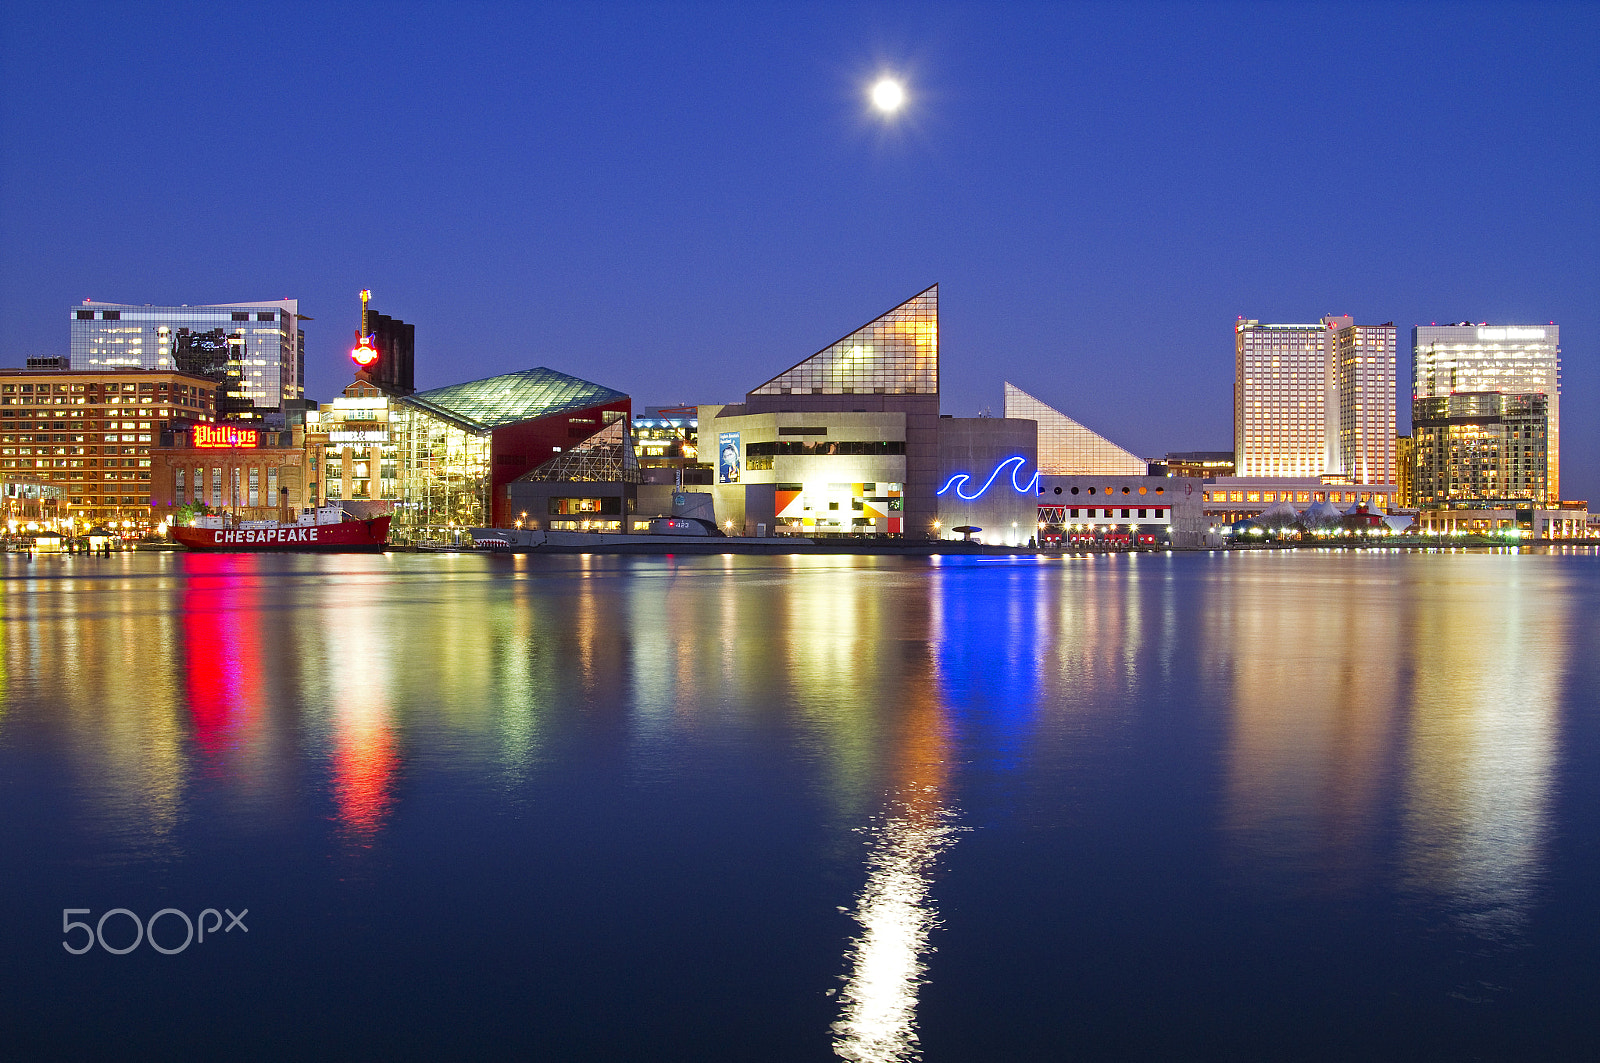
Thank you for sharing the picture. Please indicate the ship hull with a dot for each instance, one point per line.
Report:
(346, 537)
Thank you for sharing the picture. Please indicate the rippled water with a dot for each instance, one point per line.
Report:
(1250, 806)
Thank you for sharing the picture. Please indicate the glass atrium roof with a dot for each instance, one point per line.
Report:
(480, 405)
(896, 354)
(607, 456)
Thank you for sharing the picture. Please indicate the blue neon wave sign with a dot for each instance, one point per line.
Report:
(961, 479)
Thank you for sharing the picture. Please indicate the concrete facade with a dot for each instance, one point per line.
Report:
(988, 471)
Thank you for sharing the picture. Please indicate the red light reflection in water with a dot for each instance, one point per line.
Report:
(364, 761)
(222, 652)
(365, 748)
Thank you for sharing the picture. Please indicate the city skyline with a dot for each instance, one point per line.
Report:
(1100, 192)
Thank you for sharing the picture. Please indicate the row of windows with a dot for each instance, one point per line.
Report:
(245, 486)
(93, 389)
(42, 463)
(1158, 513)
(72, 463)
(147, 411)
(1113, 490)
(116, 315)
(67, 437)
(856, 447)
(1298, 497)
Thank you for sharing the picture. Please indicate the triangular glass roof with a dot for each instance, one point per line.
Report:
(480, 405)
(1066, 448)
(605, 457)
(896, 354)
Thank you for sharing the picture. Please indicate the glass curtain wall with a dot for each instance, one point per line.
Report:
(443, 477)
(896, 354)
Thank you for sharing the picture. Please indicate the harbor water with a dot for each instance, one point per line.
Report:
(1308, 805)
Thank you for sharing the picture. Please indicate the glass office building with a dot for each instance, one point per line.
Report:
(257, 348)
(1480, 447)
(1463, 359)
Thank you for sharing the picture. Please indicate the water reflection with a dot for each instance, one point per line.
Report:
(887, 959)
(1368, 726)
(78, 637)
(1313, 664)
(878, 1005)
(223, 666)
(364, 747)
(1484, 732)
(1351, 700)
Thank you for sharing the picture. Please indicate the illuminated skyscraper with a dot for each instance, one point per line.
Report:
(1486, 412)
(1314, 400)
(1363, 365)
(1285, 400)
(256, 351)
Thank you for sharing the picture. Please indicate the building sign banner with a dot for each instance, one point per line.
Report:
(729, 458)
(359, 436)
(215, 437)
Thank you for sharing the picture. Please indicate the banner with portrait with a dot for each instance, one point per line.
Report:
(730, 459)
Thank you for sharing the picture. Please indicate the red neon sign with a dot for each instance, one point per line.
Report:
(213, 437)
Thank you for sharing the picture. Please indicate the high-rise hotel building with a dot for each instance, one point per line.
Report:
(1314, 400)
(1363, 366)
(1486, 413)
(256, 350)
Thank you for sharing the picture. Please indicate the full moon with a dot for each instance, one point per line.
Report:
(887, 95)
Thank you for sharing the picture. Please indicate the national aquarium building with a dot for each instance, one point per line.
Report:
(459, 447)
(850, 442)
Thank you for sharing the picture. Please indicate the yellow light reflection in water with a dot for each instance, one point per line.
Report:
(120, 718)
(878, 1004)
(1315, 651)
(1484, 737)
(1349, 695)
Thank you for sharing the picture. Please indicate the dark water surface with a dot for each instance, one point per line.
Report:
(1258, 806)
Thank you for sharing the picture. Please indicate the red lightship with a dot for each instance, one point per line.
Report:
(325, 530)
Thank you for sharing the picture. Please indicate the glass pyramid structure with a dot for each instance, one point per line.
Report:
(605, 457)
(481, 405)
(896, 354)
(1066, 448)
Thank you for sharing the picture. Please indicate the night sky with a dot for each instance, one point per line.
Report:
(680, 201)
